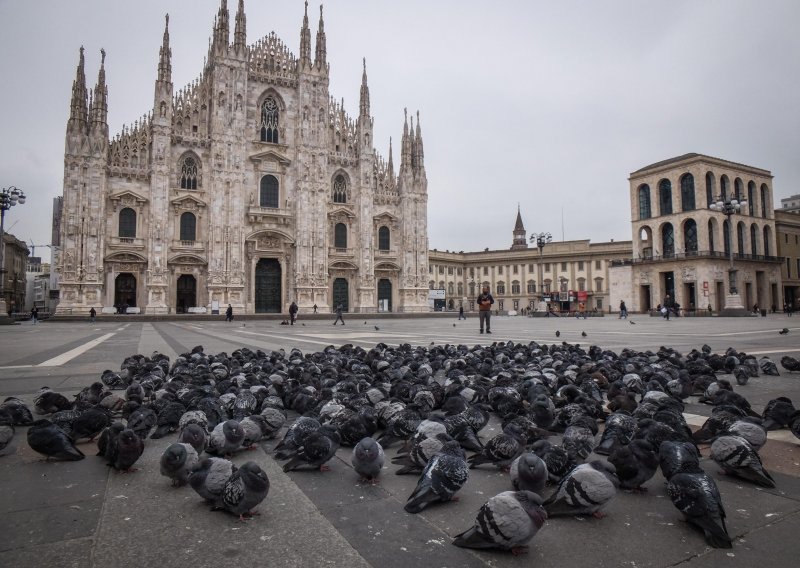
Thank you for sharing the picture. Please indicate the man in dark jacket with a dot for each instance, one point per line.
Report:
(292, 313)
(485, 301)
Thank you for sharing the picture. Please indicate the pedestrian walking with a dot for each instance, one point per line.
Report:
(581, 310)
(461, 313)
(315, 308)
(229, 313)
(92, 315)
(34, 314)
(339, 315)
(623, 310)
(485, 301)
(292, 313)
(667, 307)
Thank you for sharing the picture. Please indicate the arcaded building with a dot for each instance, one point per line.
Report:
(249, 186)
(681, 247)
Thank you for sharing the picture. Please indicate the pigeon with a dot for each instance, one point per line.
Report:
(755, 434)
(254, 427)
(294, 436)
(578, 441)
(502, 449)
(177, 462)
(141, 421)
(7, 442)
(736, 457)
(47, 401)
(555, 458)
(20, 413)
(507, 521)
(583, 334)
(244, 490)
(317, 449)
(51, 441)
(443, 476)
(790, 364)
(777, 413)
(89, 424)
(209, 477)
(107, 443)
(198, 417)
(784, 331)
(635, 463)
(528, 473)
(168, 419)
(696, 495)
(129, 448)
(226, 438)
(195, 436)
(558, 333)
(631, 322)
(619, 431)
(422, 449)
(377, 328)
(584, 490)
(678, 457)
(367, 459)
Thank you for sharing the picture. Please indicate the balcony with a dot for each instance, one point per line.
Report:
(270, 217)
(391, 253)
(188, 246)
(700, 254)
(341, 252)
(127, 243)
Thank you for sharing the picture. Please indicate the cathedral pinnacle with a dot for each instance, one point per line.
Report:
(78, 106)
(364, 102)
(321, 54)
(305, 41)
(165, 56)
(99, 102)
(221, 29)
(240, 31)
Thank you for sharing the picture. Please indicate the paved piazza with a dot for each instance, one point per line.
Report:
(83, 514)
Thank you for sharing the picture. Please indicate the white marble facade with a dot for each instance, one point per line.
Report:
(250, 186)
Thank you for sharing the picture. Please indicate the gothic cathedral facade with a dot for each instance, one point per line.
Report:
(251, 186)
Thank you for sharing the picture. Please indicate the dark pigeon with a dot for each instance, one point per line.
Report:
(368, 459)
(245, 490)
(177, 462)
(443, 476)
(696, 496)
(51, 441)
(635, 463)
(317, 449)
(129, 449)
(528, 473)
(209, 477)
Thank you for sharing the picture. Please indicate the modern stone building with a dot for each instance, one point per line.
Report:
(682, 248)
(791, 204)
(250, 186)
(561, 275)
(787, 228)
(14, 266)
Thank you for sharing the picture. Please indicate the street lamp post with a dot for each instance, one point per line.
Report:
(9, 197)
(542, 240)
(729, 206)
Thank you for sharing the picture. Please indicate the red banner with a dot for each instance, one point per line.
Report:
(583, 296)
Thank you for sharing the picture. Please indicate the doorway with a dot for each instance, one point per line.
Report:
(341, 294)
(669, 284)
(644, 298)
(690, 296)
(125, 290)
(384, 295)
(268, 286)
(186, 296)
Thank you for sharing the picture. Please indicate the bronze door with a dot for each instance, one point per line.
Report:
(268, 286)
(341, 294)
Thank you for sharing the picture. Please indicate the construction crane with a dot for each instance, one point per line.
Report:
(33, 247)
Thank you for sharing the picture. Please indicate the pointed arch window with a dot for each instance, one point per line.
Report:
(665, 197)
(668, 240)
(690, 236)
(644, 202)
(383, 238)
(188, 227)
(189, 173)
(687, 193)
(269, 121)
(340, 189)
(340, 236)
(127, 223)
(269, 194)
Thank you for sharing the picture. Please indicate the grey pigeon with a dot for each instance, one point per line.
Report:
(678, 457)
(755, 434)
(90, 424)
(367, 459)
(254, 428)
(317, 449)
(422, 450)
(578, 441)
(528, 473)
(20, 413)
(736, 457)
(177, 462)
(294, 436)
(51, 441)
(141, 421)
(274, 420)
(226, 438)
(696, 496)
(168, 419)
(129, 449)
(209, 477)
(555, 458)
(194, 417)
(7, 442)
(107, 443)
(584, 490)
(635, 464)
(245, 490)
(502, 449)
(619, 430)
(443, 476)
(195, 436)
(507, 521)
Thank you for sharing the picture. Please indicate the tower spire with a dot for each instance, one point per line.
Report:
(520, 240)
(221, 29)
(78, 109)
(321, 54)
(100, 100)
(240, 31)
(165, 56)
(305, 41)
(418, 145)
(364, 101)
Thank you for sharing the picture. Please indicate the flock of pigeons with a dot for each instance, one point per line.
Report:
(433, 402)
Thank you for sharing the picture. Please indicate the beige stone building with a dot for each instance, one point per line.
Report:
(681, 247)
(561, 275)
(250, 186)
(787, 228)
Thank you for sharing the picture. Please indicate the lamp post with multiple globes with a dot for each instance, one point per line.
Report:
(542, 240)
(730, 206)
(9, 197)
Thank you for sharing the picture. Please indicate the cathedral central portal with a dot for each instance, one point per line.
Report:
(268, 286)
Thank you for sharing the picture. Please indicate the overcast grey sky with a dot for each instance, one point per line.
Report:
(549, 104)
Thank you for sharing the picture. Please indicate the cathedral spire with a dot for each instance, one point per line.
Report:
(321, 54)
(364, 102)
(78, 109)
(240, 31)
(305, 42)
(100, 100)
(390, 165)
(221, 29)
(405, 144)
(418, 145)
(165, 56)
